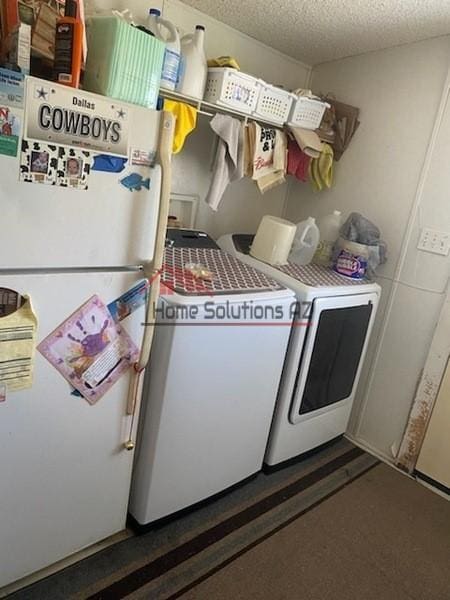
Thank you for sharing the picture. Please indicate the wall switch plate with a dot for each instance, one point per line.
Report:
(436, 242)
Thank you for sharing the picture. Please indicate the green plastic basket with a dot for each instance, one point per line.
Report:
(122, 61)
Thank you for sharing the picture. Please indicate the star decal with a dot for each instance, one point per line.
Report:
(121, 113)
(42, 93)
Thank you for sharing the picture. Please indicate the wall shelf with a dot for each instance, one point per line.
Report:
(209, 109)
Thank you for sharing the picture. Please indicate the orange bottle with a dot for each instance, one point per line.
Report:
(69, 46)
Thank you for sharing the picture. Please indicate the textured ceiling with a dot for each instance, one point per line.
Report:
(315, 31)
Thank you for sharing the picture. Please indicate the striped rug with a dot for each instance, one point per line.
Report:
(172, 557)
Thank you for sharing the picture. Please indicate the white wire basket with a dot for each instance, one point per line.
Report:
(232, 88)
(274, 104)
(307, 113)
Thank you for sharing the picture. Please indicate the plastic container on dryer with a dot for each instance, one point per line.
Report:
(273, 240)
(193, 66)
(329, 227)
(305, 242)
(166, 32)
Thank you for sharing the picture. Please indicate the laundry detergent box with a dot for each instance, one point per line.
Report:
(351, 259)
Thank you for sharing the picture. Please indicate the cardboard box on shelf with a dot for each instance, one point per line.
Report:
(43, 35)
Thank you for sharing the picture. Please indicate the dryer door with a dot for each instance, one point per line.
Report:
(332, 357)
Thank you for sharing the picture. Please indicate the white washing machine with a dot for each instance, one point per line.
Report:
(211, 385)
(325, 354)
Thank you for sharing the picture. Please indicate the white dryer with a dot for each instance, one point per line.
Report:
(213, 377)
(325, 355)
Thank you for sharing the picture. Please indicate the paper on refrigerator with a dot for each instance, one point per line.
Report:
(128, 302)
(90, 350)
(18, 325)
(11, 105)
(10, 118)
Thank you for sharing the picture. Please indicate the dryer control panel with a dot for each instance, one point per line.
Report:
(189, 238)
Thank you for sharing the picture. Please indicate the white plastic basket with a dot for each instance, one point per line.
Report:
(232, 88)
(274, 104)
(307, 113)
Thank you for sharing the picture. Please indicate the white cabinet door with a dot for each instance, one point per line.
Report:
(434, 457)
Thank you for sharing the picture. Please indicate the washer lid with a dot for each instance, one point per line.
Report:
(188, 238)
(229, 275)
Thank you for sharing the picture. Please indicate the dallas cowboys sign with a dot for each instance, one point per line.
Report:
(67, 117)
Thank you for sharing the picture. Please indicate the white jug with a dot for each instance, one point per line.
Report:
(171, 38)
(193, 65)
(329, 227)
(305, 242)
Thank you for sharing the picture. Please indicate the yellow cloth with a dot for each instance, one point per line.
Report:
(321, 169)
(224, 61)
(186, 120)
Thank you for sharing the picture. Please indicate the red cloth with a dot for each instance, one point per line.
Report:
(298, 162)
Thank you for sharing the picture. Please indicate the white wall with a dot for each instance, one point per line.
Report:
(242, 206)
(398, 91)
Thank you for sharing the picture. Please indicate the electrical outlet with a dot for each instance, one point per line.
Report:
(436, 242)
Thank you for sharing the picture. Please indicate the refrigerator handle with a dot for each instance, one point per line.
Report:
(153, 270)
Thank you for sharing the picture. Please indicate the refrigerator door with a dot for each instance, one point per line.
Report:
(65, 476)
(46, 225)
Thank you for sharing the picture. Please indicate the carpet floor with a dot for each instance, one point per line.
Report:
(384, 537)
(337, 525)
(170, 558)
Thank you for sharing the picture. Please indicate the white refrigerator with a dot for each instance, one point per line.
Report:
(64, 474)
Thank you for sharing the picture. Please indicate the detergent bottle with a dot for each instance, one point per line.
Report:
(171, 38)
(329, 227)
(193, 66)
(305, 242)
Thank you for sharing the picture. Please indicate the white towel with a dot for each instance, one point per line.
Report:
(229, 157)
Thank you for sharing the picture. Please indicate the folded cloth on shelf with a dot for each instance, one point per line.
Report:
(185, 122)
(308, 141)
(321, 169)
(304, 92)
(224, 61)
(265, 156)
(228, 164)
(298, 162)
